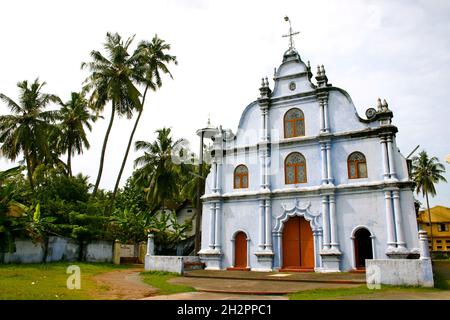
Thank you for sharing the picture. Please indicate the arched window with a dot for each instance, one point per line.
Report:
(295, 168)
(357, 167)
(294, 123)
(240, 177)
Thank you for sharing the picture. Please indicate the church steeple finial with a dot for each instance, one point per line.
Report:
(291, 33)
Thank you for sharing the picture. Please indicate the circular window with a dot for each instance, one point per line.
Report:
(292, 86)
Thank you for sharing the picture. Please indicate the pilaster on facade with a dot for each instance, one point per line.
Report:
(396, 244)
(330, 253)
(217, 164)
(322, 97)
(325, 154)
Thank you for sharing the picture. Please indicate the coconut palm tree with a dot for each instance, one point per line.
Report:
(150, 65)
(426, 172)
(26, 129)
(161, 177)
(74, 117)
(111, 80)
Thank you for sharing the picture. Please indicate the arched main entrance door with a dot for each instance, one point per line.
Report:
(240, 251)
(363, 248)
(298, 245)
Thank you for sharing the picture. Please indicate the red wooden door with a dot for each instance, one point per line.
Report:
(298, 245)
(291, 244)
(306, 245)
(240, 250)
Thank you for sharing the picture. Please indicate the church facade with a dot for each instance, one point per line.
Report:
(305, 183)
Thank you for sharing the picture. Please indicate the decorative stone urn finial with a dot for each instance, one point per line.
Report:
(379, 106)
(385, 105)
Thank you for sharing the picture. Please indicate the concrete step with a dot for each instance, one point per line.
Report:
(188, 266)
(339, 278)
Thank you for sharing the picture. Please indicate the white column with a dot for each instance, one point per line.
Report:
(261, 225)
(323, 155)
(424, 249)
(266, 124)
(326, 227)
(219, 172)
(262, 168)
(214, 175)
(316, 235)
(212, 225)
(266, 168)
(263, 124)
(330, 175)
(391, 159)
(352, 255)
(325, 113)
(279, 252)
(268, 225)
(384, 157)
(398, 220)
(322, 116)
(150, 245)
(333, 223)
(248, 252)
(374, 251)
(389, 220)
(218, 233)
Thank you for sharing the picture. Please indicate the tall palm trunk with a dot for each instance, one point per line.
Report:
(69, 160)
(429, 219)
(124, 161)
(105, 142)
(29, 170)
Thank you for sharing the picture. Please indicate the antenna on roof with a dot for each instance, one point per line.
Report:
(413, 151)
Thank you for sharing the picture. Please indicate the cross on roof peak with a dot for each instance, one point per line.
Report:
(291, 33)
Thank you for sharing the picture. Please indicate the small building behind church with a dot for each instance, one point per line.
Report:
(440, 224)
(305, 183)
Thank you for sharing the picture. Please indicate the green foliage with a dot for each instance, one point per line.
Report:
(426, 172)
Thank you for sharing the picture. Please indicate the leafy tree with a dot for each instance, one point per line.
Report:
(11, 211)
(157, 170)
(426, 172)
(74, 117)
(151, 62)
(26, 129)
(111, 80)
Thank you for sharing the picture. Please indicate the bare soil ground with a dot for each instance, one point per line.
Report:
(122, 285)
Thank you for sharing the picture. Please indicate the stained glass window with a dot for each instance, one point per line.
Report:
(357, 167)
(294, 123)
(295, 168)
(241, 177)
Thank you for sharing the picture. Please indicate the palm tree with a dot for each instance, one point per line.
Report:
(74, 116)
(111, 81)
(151, 63)
(26, 129)
(157, 170)
(426, 172)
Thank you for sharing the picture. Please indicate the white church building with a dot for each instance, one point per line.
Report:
(305, 183)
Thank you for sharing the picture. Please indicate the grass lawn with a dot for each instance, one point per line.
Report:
(325, 294)
(441, 270)
(160, 280)
(48, 281)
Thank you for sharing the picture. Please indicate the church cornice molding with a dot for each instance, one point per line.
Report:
(323, 137)
(319, 190)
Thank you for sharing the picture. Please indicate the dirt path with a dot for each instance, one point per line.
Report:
(122, 285)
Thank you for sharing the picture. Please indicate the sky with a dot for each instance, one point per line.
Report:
(398, 50)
